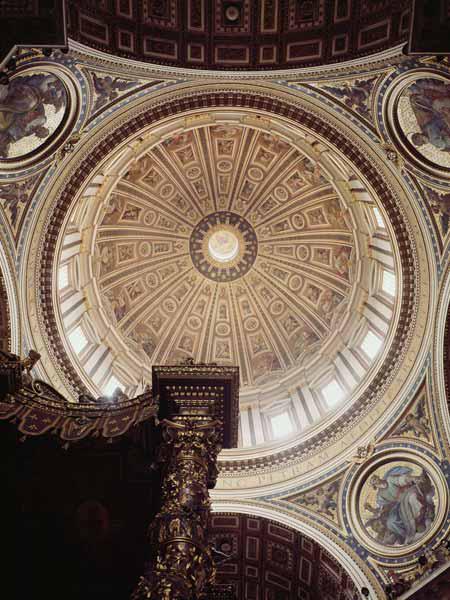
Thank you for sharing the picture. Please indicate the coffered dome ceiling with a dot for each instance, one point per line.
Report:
(240, 34)
(229, 242)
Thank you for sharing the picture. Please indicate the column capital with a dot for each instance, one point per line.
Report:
(199, 393)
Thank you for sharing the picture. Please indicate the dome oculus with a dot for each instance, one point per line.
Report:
(223, 246)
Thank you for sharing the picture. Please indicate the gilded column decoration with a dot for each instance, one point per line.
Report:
(198, 408)
(183, 565)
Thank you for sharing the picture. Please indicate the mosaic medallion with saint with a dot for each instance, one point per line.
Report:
(422, 120)
(32, 109)
(398, 503)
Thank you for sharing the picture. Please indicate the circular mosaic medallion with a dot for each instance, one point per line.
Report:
(223, 246)
(37, 111)
(400, 501)
(416, 114)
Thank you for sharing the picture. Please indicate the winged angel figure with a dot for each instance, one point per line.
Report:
(416, 422)
(108, 88)
(323, 499)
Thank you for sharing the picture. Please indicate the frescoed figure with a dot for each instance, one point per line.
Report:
(430, 102)
(15, 196)
(108, 89)
(404, 508)
(355, 95)
(23, 111)
(440, 204)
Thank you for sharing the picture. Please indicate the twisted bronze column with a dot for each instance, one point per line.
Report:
(184, 565)
(199, 404)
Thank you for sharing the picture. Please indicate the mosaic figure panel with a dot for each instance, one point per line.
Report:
(107, 89)
(15, 198)
(32, 110)
(355, 94)
(398, 503)
(323, 500)
(416, 424)
(439, 199)
(421, 120)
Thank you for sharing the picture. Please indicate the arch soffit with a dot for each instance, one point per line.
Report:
(357, 569)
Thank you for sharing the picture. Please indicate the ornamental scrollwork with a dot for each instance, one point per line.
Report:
(183, 565)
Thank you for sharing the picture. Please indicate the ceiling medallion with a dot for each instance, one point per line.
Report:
(223, 246)
(232, 13)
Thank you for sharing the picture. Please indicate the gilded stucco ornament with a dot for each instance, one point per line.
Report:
(68, 147)
(430, 565)
(363, 453)
(392, 155)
